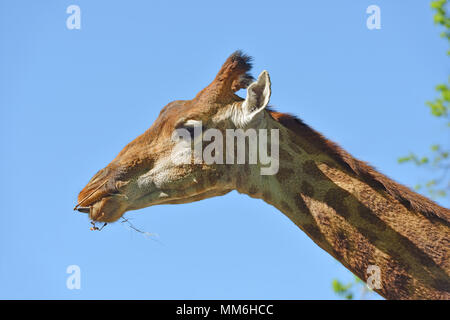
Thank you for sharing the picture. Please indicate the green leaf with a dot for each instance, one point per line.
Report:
(441, 193)
(404, 159)
(435, 147)
(439, 18)
(431, 183)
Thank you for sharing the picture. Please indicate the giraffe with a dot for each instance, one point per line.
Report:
(358, 215)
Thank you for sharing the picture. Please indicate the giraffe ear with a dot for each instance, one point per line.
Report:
(258, 96)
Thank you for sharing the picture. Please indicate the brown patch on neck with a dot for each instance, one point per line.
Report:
(411, 200)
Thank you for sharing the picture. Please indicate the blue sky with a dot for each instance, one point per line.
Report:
(71, 99)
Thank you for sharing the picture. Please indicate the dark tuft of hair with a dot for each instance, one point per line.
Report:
(244, 61)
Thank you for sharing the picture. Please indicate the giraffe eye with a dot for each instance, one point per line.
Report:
(194, 127)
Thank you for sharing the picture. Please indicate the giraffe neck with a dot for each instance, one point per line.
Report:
(364, 228)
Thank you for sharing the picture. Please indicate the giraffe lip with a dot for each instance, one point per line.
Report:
(84, 209)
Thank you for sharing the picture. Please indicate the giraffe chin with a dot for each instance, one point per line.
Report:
(108, 209)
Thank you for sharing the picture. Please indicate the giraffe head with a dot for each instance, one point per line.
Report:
(159, 167)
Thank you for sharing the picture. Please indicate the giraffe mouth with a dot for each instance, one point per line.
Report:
(83, 209)
(156, 198)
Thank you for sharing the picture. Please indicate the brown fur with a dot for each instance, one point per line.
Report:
(231, 77)
(367, 173)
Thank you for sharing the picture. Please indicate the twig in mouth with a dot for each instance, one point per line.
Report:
(147, 234)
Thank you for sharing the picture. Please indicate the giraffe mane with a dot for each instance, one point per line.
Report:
(410, 199)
